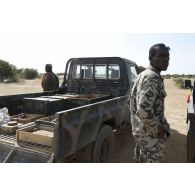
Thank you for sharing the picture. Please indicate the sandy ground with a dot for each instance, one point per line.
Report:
(175, 112)
(24, 86)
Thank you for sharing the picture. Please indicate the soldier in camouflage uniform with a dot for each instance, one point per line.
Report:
(49, 80)
(149, 125)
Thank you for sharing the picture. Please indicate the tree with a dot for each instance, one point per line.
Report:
(11, 73)
(5, 70)
(29, 73)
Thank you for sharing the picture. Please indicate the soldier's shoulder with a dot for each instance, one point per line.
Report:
(149, 74)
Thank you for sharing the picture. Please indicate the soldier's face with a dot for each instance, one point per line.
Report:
(161, 59)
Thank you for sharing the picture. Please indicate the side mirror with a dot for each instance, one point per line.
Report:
(187, 84)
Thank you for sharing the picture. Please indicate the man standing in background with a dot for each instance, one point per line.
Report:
(149, 126)
(49, 80)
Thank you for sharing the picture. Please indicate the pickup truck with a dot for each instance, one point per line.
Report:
(79, 118)
(190, 121)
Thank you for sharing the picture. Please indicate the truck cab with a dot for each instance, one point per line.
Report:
(113, 75)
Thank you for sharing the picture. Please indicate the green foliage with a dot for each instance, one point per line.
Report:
(179, 76)
(12, 74)
(29, 73)
(167, 76)
(20, 70)
(190, 76)
(179, 82)
(7, 71)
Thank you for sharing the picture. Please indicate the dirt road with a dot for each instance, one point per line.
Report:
(24, 86)
(175, 110)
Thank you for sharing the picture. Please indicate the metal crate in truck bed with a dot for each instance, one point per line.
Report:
(43, 105)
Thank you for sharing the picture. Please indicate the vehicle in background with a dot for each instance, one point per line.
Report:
(190, 121)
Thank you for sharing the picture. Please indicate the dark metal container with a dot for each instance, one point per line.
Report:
(43, 105)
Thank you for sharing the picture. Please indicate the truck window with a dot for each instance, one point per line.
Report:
(113, 71)
(87, 70)
(76, 71)
(133, 73)
(84, 71)
(97, 71)
(100, 71)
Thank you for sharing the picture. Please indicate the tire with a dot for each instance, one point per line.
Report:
(104, 145)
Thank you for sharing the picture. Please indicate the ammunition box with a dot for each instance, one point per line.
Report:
(43, 105)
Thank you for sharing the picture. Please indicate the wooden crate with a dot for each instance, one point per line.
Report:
(41, 137)
(36, 134)
(6, 129)
(84, 99)
(52, 119)
(26, 118)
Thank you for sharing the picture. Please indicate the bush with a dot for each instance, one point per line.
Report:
(176, 76)
(179, 83)
(14, 74)
(29, 73)
(7, 71)
(167, 76)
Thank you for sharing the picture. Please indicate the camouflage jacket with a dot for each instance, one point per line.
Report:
(49, 81)
(147, 104)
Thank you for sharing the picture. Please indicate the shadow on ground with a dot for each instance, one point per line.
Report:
(176, 148)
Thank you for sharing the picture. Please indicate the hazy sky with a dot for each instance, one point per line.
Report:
(35, 49)
(36, 32)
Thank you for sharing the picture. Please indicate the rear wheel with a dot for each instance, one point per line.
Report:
(104, 145)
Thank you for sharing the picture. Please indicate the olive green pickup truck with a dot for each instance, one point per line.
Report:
(79, 118)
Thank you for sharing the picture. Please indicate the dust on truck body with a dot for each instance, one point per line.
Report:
(79, 118)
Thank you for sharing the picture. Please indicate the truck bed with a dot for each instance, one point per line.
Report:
(75, 128)
(11, 153)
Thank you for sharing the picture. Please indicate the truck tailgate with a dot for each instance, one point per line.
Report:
(13, 154)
